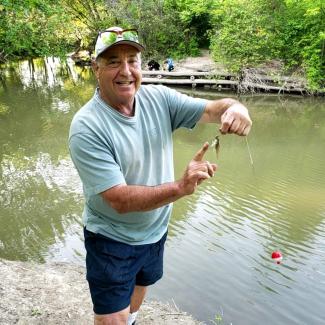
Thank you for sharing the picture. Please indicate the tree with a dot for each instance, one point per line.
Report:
(33, 28)
(160, 28)
(303, 36)
(245, 33)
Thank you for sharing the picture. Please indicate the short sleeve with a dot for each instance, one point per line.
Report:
(185, 111)
(95, 163)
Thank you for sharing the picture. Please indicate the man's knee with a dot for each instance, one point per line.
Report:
(117, 318)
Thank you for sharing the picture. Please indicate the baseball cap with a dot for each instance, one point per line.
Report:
(114, 36)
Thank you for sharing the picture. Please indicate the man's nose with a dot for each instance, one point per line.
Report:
(125, 68)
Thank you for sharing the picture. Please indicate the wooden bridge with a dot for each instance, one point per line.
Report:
(225, 81)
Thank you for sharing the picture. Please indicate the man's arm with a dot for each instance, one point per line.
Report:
(234, 118)
(131, 198)
(232, 115)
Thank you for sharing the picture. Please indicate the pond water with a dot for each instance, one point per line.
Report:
(218, 255)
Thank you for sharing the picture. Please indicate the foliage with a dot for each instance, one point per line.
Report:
(33, 28)
(160, 28)
(251, 32)
(195, 16)
(303, 36)
(87, 17)
(244, 33)
(240, 33)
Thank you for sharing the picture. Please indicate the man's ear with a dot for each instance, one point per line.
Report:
(95, 67)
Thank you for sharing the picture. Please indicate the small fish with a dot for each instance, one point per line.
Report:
(216, 144)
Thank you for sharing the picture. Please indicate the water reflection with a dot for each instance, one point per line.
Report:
(37, 201)
(40, 190)
(220, 238)
(43, 73)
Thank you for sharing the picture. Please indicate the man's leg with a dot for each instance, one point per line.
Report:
(137, 298)
(121, 317)
(110, 276)
(150, 273)
(111, 281)
(118, 318)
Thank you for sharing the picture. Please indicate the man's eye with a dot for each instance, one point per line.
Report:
(133, 61)
(112, 63)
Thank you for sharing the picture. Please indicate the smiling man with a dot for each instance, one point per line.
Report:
(121, 145)
(118, 72)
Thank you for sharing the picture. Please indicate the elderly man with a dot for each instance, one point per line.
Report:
(121, 145)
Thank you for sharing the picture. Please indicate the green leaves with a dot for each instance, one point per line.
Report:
(33, 28)
(247, 33)
(240, 33)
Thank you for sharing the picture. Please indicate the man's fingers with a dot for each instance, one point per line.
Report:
(235, 121)
(211, 168)
(201, 176)
(246, 130)
(236, 125)
(203, 166)
(226, 123)
(204, 170)
(199, 155)
(241, 130)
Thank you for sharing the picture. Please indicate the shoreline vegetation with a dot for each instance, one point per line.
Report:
(241, 34)
(57, 293)
(203, 71)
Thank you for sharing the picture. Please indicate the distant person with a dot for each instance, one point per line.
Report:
(122, 146)
(153, 65)
(169, 64)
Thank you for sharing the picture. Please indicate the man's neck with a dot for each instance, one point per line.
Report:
(127, 108)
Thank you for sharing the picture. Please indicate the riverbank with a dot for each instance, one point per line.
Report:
(269, 77)
(203, 71)
(57, 293)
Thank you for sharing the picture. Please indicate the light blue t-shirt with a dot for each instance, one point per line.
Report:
(109, 149)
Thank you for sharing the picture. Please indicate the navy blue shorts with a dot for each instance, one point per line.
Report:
(114, 268)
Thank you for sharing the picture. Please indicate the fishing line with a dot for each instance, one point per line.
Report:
(247, 145)
(249, 152)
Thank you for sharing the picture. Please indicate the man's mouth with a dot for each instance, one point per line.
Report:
(124, 83)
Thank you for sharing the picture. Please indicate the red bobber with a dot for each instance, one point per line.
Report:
(277, 257)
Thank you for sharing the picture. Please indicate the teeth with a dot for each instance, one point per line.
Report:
(124, 82)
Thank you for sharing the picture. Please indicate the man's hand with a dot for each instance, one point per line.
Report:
(232, 115)
(196, 172)
(236, 120)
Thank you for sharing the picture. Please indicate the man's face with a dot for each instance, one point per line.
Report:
(118, 71)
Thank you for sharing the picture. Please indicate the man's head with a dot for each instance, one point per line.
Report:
(118, 66)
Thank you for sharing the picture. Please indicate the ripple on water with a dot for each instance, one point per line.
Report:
(241, 232)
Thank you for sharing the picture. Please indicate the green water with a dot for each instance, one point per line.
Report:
(220, 239)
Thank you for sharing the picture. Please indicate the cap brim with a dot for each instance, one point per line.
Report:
(138, 46)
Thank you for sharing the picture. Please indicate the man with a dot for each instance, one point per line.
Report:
(121, 145)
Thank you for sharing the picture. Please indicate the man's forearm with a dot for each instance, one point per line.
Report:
(131, 198)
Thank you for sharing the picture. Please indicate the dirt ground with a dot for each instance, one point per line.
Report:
(202, 63)
(57, 294)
